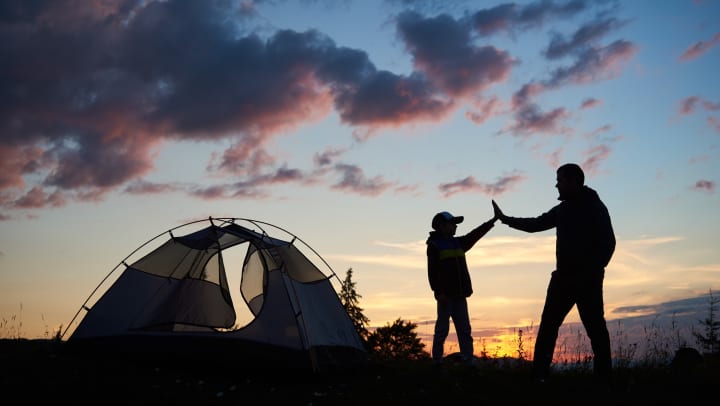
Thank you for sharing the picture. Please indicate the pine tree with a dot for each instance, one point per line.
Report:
(350, 299)
(397, 341)
(710, 340)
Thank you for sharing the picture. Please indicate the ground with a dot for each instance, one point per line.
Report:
(40, 370)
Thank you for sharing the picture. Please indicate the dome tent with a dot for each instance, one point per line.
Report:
(176, 300)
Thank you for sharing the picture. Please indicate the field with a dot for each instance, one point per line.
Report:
(41, 370)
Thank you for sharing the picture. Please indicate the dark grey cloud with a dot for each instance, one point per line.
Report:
(442, 48)
(354, 179)
(327, 157)
(529, 119)
(89, 92)
(470, 184)
(586, 35)
(586, 60)
(594, 64)
(705, 186)
(90, 89)
(693, 306)
(512, 17)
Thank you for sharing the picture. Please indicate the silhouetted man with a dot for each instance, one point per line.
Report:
(585, 242)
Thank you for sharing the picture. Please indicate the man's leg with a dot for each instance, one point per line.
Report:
(592, 314)
(442, 328)
(461, 320)
(558, 302)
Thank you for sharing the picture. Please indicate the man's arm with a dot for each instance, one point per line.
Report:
(543, 222)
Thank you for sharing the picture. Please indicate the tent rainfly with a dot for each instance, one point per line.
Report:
(176, 301)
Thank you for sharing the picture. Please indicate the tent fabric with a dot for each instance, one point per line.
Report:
(176, 299)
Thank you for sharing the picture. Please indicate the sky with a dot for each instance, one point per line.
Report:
(350, 124)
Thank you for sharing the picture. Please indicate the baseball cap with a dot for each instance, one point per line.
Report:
(445, 217)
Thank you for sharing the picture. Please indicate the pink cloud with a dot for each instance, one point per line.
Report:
(595, 64)
(140, 187)
(525, 95)
(17, 161)
(485, 110)
(245, 157)
(530, 119)
(710, 105)
(38, 198)
(354, 180)
(688, 104)
(699, 48)
(442, 48)
(705, 185)
(714, 124)
(513, 17)
(470, 184)
(600, 130)
(327, 157)
(590, 103)
(95, 88)
(594, 157)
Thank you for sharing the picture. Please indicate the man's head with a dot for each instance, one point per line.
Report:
(570, 180)
(443, 220)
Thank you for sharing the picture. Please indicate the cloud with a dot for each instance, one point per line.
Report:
(699, 48)
(585, 36)
(327, 157)
(94, 89)
(595, 64)
(485, 110)
(690, 104)
(598, 131)
(141, 187)
(594, 156)
(511, 17)
(16, 162)
(354, 180)
(524, 96)
(590, 62)
(693, 306)
(245, 158)
(441, 48)
(387, 99)
(714, 123)
(470, 184)
(705, 185)
(530, 119)
(36, 198)
(590, 103)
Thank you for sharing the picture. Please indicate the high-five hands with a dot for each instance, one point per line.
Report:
(498, 214)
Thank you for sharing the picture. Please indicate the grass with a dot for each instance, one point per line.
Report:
(41, 370)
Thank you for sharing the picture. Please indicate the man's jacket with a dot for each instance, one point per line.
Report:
(585, 239)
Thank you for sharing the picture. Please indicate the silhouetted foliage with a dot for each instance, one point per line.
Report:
(710, 340)
(397, 341)
(350, 299)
